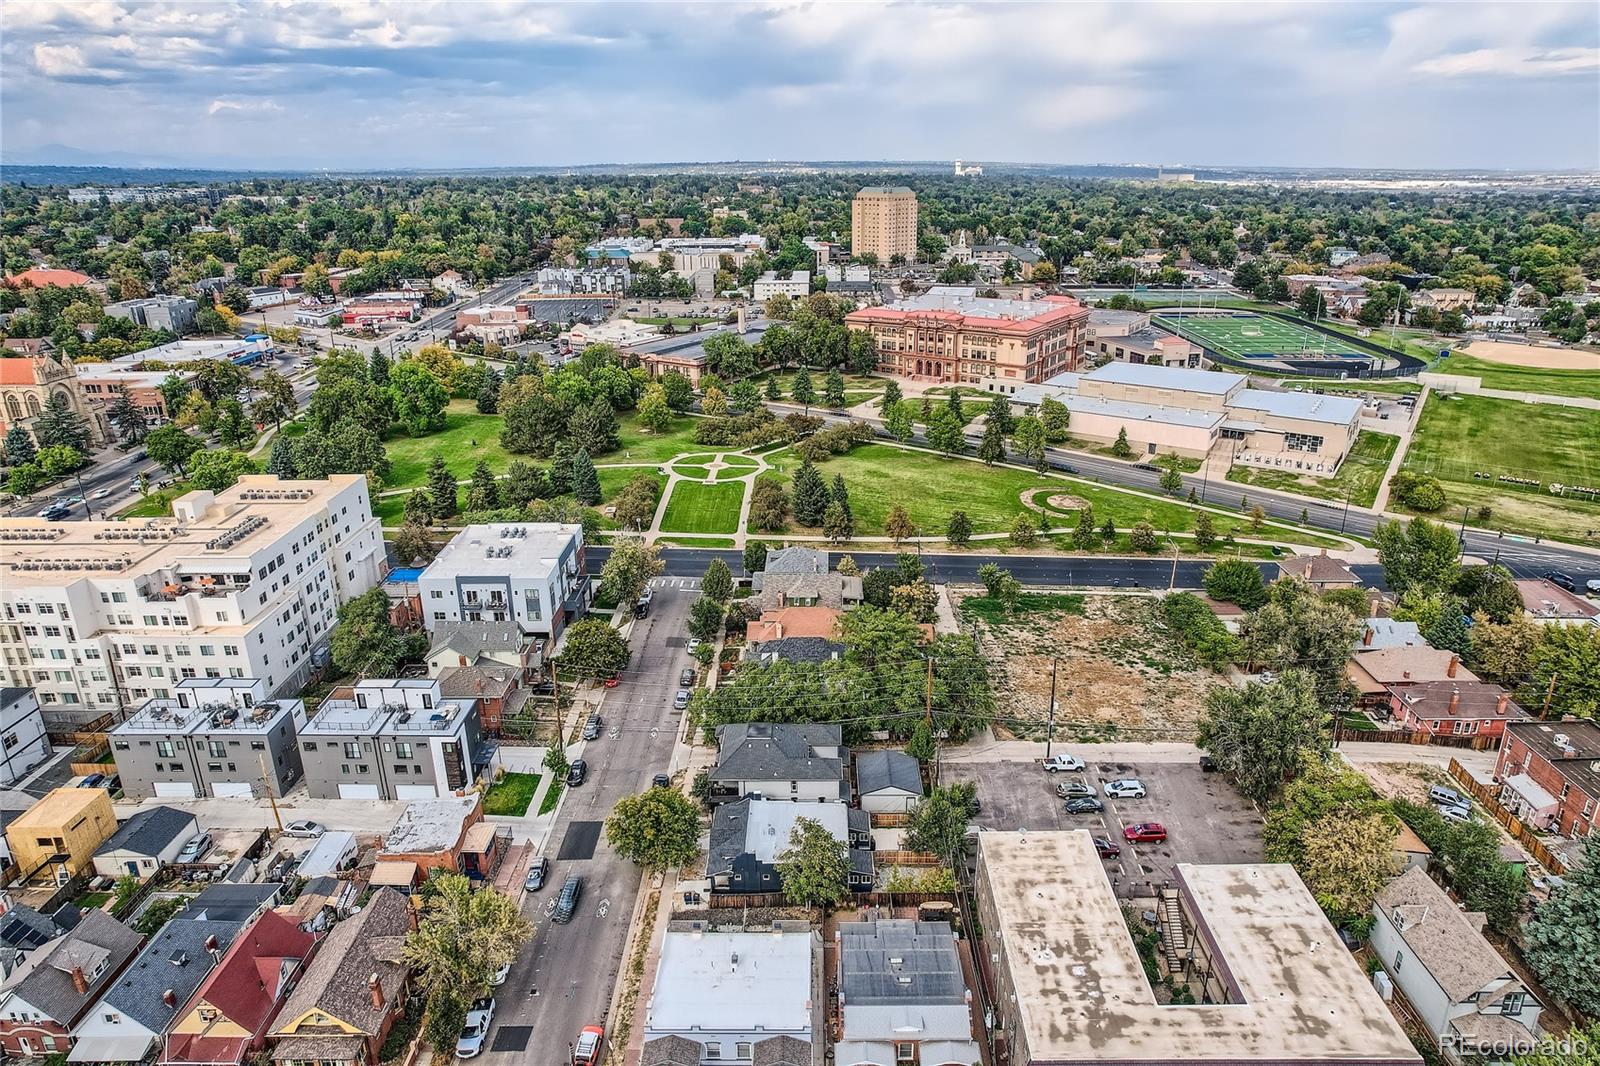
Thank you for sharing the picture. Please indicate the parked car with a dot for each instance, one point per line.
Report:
(694, 645)
(538, 870)
(1593, 585)
(197, 846)
(500, 975)
(1126, 788)
(661, 781)
(1057, 763)
(1556, 577)
(586, 1052)
(1069, 789)
(578, 772)
(591, 727)
(305, 828)
(1447, 797)
(1084, 805)
(567, 902)
(1145, 833)
(686, 679)
(1208, 765)
(613, 681)
(1453, 814)
(479, 1016)
(1106, 849)
(681, 700)
(92, 781)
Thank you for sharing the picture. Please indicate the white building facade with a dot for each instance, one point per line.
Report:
(530, 573)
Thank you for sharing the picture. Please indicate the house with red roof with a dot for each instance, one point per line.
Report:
(227, 1017)
(47, 278)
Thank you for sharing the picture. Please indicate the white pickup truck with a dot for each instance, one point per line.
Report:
(1062, 762)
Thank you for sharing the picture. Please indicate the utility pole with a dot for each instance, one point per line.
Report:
(1461, 534)
(266, 786)
(1172, 582)
(1549, 694)
(927, 710)
(1346, 516)
(1050, 728)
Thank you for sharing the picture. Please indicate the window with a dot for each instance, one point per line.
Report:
(905, 1051)
(363, 768)
(164, 748)
(401, 768)
(713, 1049)
(402, 749)
(1399, 957)
(114, 1018)
(742, 1049)
(1513, 1002)
(352, 750)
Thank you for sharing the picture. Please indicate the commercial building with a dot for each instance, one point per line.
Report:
(392, 740)
(883, 223)
(101, 616)
(691, 255)
(770, 284)
(1467, 996)
(241, 350)
(430, 834)
(24, 743)
(27, 384)
(56, 838)
(1549, 774)
(779, 761)
(733, 999)
(1128, 337)
(377, 308)
(528, 573)
(318, 314)
(950, 334)
(749, 835)
(218, 736)
(175, 313)
(265, 296)
(1547, 603)
(104, 382)
(58, 984)
(1271, 980)
(902, 996)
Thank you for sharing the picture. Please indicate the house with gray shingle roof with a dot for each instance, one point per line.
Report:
(145, 842)
(888, 781)
(779, 761)
(900, 983)
(55, 987)
(136, 1010)
(799, 577)
(750, 836)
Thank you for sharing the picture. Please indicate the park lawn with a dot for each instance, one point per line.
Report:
(391, 510)
(1585, 383)
(697, 473)
(467, 437)
(858, 388)
(511, 795)
(1459, 436)
(639, 445)
(678, 323)
(700, 508)
(157, 503)
(698, 542)
(1360, 476)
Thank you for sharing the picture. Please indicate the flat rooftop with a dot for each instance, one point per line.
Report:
(166, 717)
(1130, 411)
(429, 826)
(701, 976)
(1082, 995)
(1210, 382)
(523, 549)
(1308, 406)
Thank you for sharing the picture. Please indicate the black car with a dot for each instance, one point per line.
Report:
(1556, 577)
(1208, 765)
(686, 679)
(577, 772)
(591, 727)
(1085, 805)
(58, 514)
(567, 902)
(661, 781)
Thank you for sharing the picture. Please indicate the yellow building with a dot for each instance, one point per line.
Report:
(61, 832)
(883, 222)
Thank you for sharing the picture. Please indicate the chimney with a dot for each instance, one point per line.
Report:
(377, 992)
(1405, 675)
(1455, 661)
(80, 982)
(170, 998)
(211, 942)
(480, 686)
(1455, 700)
(1366, 638)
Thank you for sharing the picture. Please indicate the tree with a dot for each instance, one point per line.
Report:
(1235, 581)
(754, 556)
(773, 391)
(1027, 439)
(992, 449)
(680, 394)
(1171, 481)
(635, 506)
(815, 867)
(378, 366)
(1108, 533)
(959, 531)
(769, 508)
(891, 396)
(1205, 533)
(1419, 554)
(217, 470)
(235, 299)
(1056, 418)
(20, 448)
(705, 618)
(233, 427)
(126, 416)
(483, 494)
(364, 640)
(629, 568)
(803, 391)
(718, 581)
(462, 937)
(714, 403)
(897, 422)
(1503, 653)
(999, 410)
(811, 497)
(412, 540)
(1024, 528)
(594, 429)
(1565, 667)
(1346, 863)
(281, 460)
(1122, 449)
(897, 525)
(595, 650)
(1143, 537)
(938, 825)
(276, 401)
(585, 479)
(60, 460)
(833, 390)
(659, 829)
(1562, 939)
(1311, 302)
(419, 399)
(442, 490)
(1580, 1047)
(945, 433)
(954, 405)
(1265, 734)
(488, 398)
(561, 469)
(837, 524)
(58, 425)
(171, 447)
(1297, 628)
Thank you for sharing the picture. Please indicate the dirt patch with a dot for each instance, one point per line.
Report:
(1119, 673)
(1056, 501)
(1403, 780)
(1531, 355)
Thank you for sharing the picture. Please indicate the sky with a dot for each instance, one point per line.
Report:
(349, 84)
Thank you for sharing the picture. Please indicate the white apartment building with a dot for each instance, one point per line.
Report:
(99, 617)
(768, 285)
(530, 573)
(25, 744)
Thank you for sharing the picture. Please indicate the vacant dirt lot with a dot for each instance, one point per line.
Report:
(1119, 672)
(1404, 780)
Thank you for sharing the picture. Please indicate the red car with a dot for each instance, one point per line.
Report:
(586, 1052)
(613, 681)
(1106, 849)
(1145, 833)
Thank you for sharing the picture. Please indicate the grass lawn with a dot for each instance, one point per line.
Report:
(511, 795)
(552, 795)
(1524, 378)
(1183, 464)
(994, 611)
(1458, 437)
(157, 504)
(697, 508)
(1360, 475)
(701, 473)
(698, 542)
(641, 446)
(466, 438)
(858, 388)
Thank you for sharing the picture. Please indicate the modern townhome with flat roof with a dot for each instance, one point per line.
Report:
(779, 761)
(902, 996)
(392, 739)
(1275, 983)
(528, 573)
(217, 737)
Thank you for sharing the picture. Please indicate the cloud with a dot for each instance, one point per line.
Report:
(1085, 105)
(59, 60)
(1516, 62)
(220, 105)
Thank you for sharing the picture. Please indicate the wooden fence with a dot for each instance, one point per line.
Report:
(904, 858)
(1513, 825)
(1417, 737)
(890, 820)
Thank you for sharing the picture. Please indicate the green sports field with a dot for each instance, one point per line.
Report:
(1256, 336)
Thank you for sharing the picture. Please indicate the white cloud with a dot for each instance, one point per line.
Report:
(1520, 62)
(1084, 105)
(59, 60)
(221, 105)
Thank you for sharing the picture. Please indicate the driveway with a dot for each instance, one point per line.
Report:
(1206, 820)
(364, 817)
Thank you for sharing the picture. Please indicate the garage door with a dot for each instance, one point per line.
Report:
(175, 790)
(415, 792)
(358, 792)
(232, 789)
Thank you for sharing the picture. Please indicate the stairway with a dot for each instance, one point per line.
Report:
(1174, 941)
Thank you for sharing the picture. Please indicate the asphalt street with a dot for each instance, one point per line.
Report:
(562, 979)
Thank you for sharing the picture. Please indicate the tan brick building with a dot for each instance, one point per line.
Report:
(948, 335)
(883, 222)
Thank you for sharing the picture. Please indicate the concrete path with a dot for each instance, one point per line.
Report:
(1381, 502)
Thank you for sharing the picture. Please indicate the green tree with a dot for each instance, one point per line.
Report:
(837, 524)
(769, 508)
(989, 574)
(1348, 862)
(1108, 533)
(811, 497)
(999, 410)
(1084, 536)
(1171, 481)
(232, 426)
(659, 829)
(561, 482)
(126, 416)
(833, 390)
(897, 525)
(276, 401)
(1503, 653)
(1582, 1049)
(938, 825)
(718, 581)
(365, 641)
(743, 396)
(593, 427)
(815, 867)
(628, 569)
(992, 449)
(705, 618)
(59, 426)
(1297, 628)
(462, 937)
(680, 394)
(1122, 449)
(897, 422)
(218, 470)
(754, 556)
(418, 397)
(483, 494)
(585, 479)
(803, 391)
(1236, 581)
(171, 447)
(1143, 537)
(959, 531)
(1311, 303)
(1056, 418)
(412, 540)
(714, 403)
(1024, 529)
(891, 396)
(442, 490)
(594, 650)
(1562, 939)
(1265, 734)
(26, 479)
(1205, 533)
(921, 747)
(654, 413)
(1027, 440)
(20, 448)
(945, 433)
(60, 460)
(1419, 554)
(954, 405)
(1565, 667)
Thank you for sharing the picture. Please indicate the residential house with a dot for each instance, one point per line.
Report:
(733, 999)
(1410, 850)
(392, 739)
(1467, 996)
(25, 742)
(902, 996)
(794, 634)
(429, 834)
(353, 991)
(1550, 604)
(234, 903)
(888, 782)
(1445, 299)
(55, 987)
(993, 257)
(225, 1020)
(57, 837)
(145, 842)
(799, 577)
(1376, 673)
(779, 761)
(24, 930)
(1454, 708)
(484, 644)
(138, 1008)
(749, 835)
(497, 691)
(1321, 572)
(1549, 774)
(1380, 633)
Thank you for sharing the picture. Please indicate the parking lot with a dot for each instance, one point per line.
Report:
(1206, 820)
